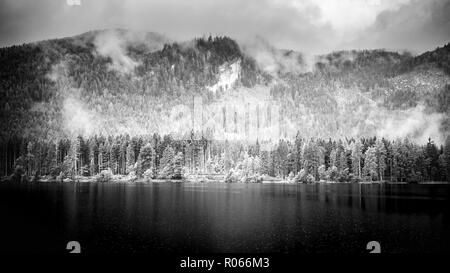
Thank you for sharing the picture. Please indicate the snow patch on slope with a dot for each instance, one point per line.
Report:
(228, 75)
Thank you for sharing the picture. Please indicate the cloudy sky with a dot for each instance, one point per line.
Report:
(314, 26)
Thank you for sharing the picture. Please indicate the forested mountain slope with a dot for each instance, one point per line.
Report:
(118, 81)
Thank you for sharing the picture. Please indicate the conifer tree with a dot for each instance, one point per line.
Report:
(333, 158)
(446, 158)
(265, 162)
(322, 172)
(343, 161)
(298, 152)
(93, 156)
(396, 161)
(380, 151)
(256, 167)
(123, 157)
(130, 158)
(356, 158)
(145, 159)
(431, 161)
(311, 155)
(370, 169)
(79, 142)
(114, 153)
(51, 159)
(178, 166)
(29, 157)
(166, 164)
(103, 157)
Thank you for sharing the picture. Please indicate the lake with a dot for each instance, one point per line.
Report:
(224, 218)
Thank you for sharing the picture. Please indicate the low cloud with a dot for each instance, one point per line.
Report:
(109, 45)
(114, 44)
(314, 26)
(275, 61)
(77, 119)
(414, 123)
(75, 116)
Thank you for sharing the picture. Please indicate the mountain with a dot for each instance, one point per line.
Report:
(119, 81)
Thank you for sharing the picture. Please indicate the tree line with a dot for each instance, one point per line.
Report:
(299, 159)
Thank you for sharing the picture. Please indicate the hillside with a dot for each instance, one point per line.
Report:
(118, 81)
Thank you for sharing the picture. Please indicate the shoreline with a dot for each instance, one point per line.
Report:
(132, 180)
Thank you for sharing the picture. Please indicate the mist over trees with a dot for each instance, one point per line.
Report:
(65, 87)
(37, 79)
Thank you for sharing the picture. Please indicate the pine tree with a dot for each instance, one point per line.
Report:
(343, 161)
(145, 159)
(257, 150)
(256, 165)
(341, 157)
(283, 151)
(431, 161)
(356, 158)
(298, 153)
(51, 159)
(446, 158)
(388, 171)
(322, 172)
(370, 169)
(130, 158)
(93, 156)
(103, 157)
(136, 145)
(166, 164)
(114, 157)
(380, 151)
(417, 157)
(167, 156)
(407, 160)
(156, 139)
(123, 157)
(333, 158)
(272, 163)
(59, 152)
(178, 166)
(292, 159)
(29, 157)
(396, 161)
(265, 162)
(68, 166)
(227, 160)
(312, 156)
(218, 164)
(79, 142)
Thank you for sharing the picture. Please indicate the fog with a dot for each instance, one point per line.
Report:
(311, 26)
(227, 117)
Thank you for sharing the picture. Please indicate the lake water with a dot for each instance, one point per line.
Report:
(218, 217)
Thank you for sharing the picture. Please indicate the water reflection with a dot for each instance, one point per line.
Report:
(176, 217)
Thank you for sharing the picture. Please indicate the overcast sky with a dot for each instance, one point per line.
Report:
(317, 26)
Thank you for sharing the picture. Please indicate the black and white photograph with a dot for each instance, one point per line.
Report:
(236, 128)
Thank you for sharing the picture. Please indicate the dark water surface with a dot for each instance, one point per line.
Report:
(199, 218)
